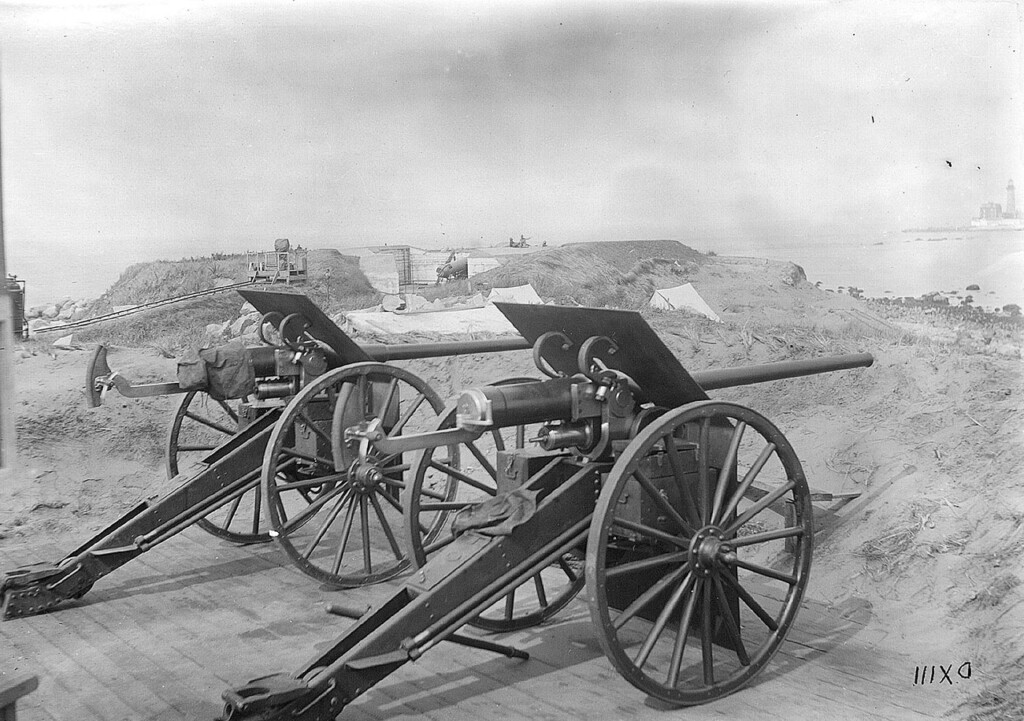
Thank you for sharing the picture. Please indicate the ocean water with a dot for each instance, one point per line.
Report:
(889, 265)
(908, 264)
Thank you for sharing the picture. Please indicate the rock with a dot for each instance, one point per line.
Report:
(79, 313)
(247, 308)
(37, 323)
(51, 311)
(34, 312)
(241, 325)
(793, 274)
(216, 330)
(973, 286)
(66, 312)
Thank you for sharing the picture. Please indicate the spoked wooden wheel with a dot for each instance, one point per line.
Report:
(450, 478)
(691, 587)
(200, 425)
(346, 535)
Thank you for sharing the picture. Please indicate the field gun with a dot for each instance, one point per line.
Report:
(234, 400)
(688, 520)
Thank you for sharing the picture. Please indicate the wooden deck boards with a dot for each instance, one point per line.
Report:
(162, 637)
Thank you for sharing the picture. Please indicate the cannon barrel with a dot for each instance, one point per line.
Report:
(728, 377)
(383, 353)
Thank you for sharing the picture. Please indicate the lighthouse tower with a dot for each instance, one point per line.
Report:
(1011, 202)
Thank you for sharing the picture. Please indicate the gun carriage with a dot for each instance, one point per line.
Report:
(688, 520)
(234, 434)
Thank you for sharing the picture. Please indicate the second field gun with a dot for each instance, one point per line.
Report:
(688, 520)
(236, 446)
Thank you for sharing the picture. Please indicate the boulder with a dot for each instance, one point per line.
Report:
(793, 274)
(51, 311)
(216, 330)
(66, 312)
(37, 323)
(241, 325)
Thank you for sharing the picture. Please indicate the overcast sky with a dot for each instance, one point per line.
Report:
(220, 126)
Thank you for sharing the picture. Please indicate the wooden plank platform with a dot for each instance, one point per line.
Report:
(163, 636)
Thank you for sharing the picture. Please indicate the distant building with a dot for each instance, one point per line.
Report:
(992, 216)
(991, 211)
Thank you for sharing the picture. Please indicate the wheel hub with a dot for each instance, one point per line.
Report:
(365, 476)
(707, 547)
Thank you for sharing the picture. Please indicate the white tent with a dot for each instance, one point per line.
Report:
(449, 322)
(517, 294)
(683, 297)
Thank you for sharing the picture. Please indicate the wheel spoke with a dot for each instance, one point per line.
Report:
(753, 538)
(312, 482)
(751, 602)
(758, 507)
(679, 541)
(645, 564)
(520, 437)
(456, 473)
(407, 416)
(325, 524)
(310, 510)
(232, 510)
(567, 570)
(388, 532)
(706, 645)
(510, 604)
(431, 493)
(311, 425)
(703, 458)
(364, 520)
(672, 450)
(765, 571)
(748, 480)
(445, 506)
(388, 397)
(299, 455)
(647, 596)
(209, 423)
(730, 622)
(725, 472)
(682, 633)
(662, 621)
(227, 409)
(661, 502)
(542, 598)
(483, 460)
(256, 503)
(346, 531)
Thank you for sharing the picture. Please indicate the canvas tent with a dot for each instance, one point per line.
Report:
(683, 297)
(517, 294)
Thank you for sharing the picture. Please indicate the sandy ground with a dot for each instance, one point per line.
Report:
(930, 436)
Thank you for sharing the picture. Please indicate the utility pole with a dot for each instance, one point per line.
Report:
(7, 446)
